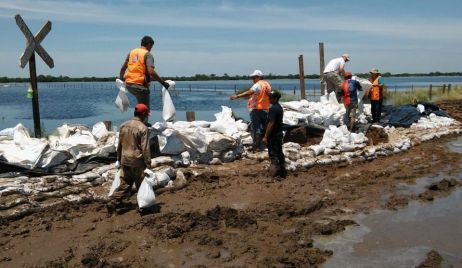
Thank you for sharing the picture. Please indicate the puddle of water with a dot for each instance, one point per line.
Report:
(400, 238)
(456, 145)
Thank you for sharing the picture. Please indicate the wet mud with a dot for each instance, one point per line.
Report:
(231, 215)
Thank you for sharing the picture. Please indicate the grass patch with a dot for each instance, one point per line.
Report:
(422, 94)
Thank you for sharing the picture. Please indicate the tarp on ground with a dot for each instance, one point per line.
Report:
(406, 115)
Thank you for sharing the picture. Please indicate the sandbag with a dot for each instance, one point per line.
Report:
(122, 101)
(168, 111)
(146, 196)
(115, 183)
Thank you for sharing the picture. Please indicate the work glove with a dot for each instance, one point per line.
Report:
(170, 84)
(117, 164)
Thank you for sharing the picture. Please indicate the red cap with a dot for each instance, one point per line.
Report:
(141, 108)
(347, 74)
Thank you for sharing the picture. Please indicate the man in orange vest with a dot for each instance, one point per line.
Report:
(138, 71)
(258, 105)
(376, 94)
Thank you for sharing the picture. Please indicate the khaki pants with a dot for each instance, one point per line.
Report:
(128, 176)
(334, 84)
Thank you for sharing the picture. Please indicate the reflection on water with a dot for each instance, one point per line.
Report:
(403, 238)
(400, 238)
(456, 145)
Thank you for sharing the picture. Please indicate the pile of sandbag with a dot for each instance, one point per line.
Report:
(204, 142)
(67, 143)
(328, 111)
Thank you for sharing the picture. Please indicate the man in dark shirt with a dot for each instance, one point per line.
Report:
(273, 137)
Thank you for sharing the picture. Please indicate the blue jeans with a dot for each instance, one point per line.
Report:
(258, 120)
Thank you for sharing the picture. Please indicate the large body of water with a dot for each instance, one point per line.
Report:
(88, 103)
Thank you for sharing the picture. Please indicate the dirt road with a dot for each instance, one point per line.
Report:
(230, 216)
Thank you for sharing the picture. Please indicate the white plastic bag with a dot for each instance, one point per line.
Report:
(122, 101)
(115, 183)
(168, 111)
(146, 196)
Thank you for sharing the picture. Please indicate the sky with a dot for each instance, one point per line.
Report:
(92, 38)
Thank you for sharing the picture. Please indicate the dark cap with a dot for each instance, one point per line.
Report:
(347, 75)
(141, 108)
(274, 94)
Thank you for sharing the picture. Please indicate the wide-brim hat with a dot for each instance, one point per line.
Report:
(346, 56)
(374, 71)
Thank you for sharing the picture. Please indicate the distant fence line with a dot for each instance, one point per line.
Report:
(312, 90)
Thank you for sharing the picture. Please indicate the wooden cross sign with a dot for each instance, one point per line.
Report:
(33, 45)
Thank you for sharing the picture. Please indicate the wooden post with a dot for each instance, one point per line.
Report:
(33, 46)
(321, 67)
(302, 77)
(430, 92)
(449, 88)
(35, 102)
(108, 125)
(190, 116)
(444, 88)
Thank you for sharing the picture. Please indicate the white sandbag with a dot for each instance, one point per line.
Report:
(146, 196)
(21, 148)
(115, 183)
(122, 101)
(99, 130)
(170, 142)
(168, 111)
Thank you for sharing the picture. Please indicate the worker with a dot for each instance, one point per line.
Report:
(133, 155)
(258, 105)
(333, 73)
(273, 137)
(350, 99)
(138, 71)
(376, 94)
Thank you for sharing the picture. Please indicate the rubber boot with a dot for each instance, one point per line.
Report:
(258, 144)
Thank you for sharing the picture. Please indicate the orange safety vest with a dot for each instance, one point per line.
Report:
(136, 70)
(375, 90)
(260, 100)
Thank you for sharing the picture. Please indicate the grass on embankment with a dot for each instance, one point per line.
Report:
(421, 94)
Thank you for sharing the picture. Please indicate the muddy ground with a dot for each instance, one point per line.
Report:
(231, 216)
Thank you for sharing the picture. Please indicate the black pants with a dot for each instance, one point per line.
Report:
(276, 156)
(376, 110)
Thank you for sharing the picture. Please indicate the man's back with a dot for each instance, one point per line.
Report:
(334, 65)
(276, 114)
(133, 140)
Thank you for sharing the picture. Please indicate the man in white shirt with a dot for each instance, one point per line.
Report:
(333, 74)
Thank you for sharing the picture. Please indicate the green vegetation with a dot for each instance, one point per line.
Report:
(422, 94)
(208, 77)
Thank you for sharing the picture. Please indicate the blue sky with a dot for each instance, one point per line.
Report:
(91, 38)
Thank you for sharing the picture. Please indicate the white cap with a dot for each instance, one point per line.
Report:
(256, 73)
(346, 56)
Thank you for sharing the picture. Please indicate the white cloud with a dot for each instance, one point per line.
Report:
(228, 15)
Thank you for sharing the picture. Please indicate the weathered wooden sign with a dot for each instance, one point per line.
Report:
(32, 46)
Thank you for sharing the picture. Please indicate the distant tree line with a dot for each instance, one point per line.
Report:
(208, 77)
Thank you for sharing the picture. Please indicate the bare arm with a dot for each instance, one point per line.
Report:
(154, 76)
(123, 69)
(241, 95)
(269, 129)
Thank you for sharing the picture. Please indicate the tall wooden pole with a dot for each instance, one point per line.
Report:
(321, 67)
(302, 77)
(35, 102)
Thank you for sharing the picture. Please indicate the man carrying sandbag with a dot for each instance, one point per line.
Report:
(350, 90)
(138, 71)
(133, 155)
(333, 75)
